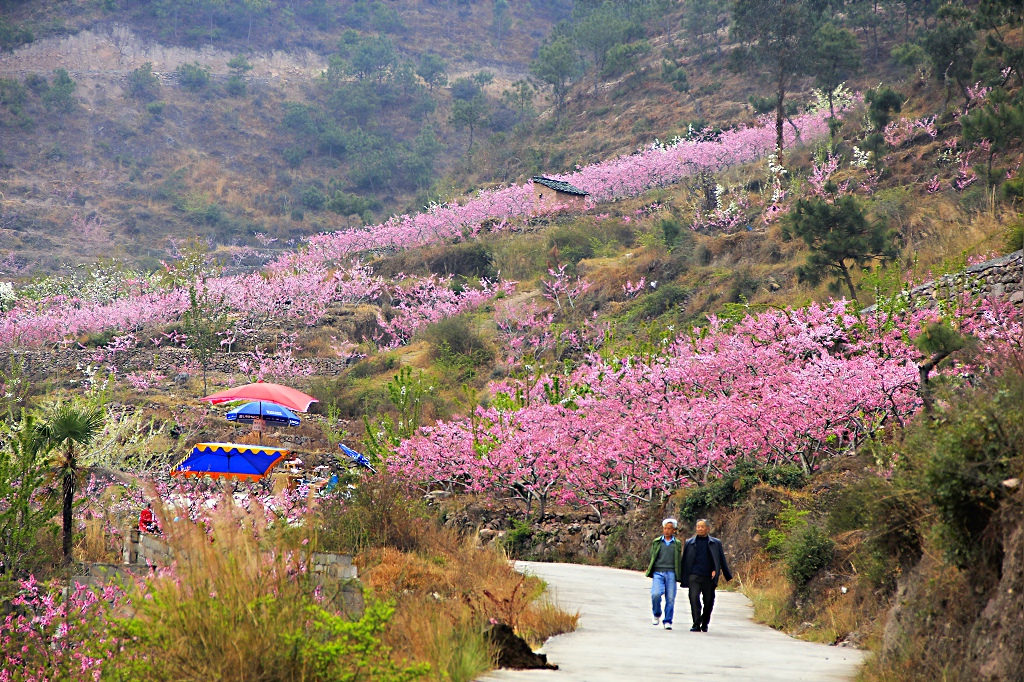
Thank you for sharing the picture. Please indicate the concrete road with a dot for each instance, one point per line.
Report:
(616, 641)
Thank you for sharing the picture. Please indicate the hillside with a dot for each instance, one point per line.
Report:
(789, 297)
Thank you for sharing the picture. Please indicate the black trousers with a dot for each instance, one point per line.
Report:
(701, 586)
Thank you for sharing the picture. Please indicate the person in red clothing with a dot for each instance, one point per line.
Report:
(147, 522)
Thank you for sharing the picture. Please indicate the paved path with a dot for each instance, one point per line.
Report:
(616, 641)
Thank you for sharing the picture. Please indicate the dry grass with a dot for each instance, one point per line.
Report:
(95, 545)
(446, 588)
(447, 592)
(826, 616)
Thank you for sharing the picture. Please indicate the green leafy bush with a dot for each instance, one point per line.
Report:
(28, 511)
(519, 539)
(348, 204)
(456, 345)
(236, 86)
(294, 156)
(572, 244)
(976, 445)
(733, 488)
(1015, 235)
(313, 198)
(665, 298)
(13, 35)
(468, 259)
(807, 552)
(193, 76)
(789, 521)
(143, 83)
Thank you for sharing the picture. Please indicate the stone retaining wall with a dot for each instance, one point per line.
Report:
(146, 549)
(1001, 277)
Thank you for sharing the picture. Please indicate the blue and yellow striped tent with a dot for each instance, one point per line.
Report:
(229, 460)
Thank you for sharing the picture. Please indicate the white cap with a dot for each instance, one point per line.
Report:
(675, 524)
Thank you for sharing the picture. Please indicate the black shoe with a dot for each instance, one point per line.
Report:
(695, 628)
(703, 628)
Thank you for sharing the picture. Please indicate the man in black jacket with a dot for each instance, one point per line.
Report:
(703, 564)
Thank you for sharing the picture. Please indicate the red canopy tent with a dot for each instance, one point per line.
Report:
(273, 393)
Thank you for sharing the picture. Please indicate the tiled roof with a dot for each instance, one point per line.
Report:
(559, 186)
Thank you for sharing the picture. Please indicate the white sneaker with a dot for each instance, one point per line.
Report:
(668, 626)
(656, 621)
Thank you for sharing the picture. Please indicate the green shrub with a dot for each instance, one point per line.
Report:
(60, 95)
(733, 488)
(156, 109)
(143, 83)
(13, 35)
(572, 244)
(1013, 189)
(294, 156)
(37, 83)
(347, 204)
(808, 551)
(313, 198)
(789, 522)
(193, 76)
(236, 86)
(28, 512)
(1015, 235)
(976, 445)
(519, 539)
(665, 298)
(457, 345)
(468, 259)
(671, 228)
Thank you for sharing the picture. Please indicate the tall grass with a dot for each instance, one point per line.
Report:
(233, 610)
(447, 589)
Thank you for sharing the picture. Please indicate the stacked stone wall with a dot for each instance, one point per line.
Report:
(1002, 278)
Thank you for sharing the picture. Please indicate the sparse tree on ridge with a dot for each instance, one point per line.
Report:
(502, 21)
(780, 35)
(557, 64)
(836, 56)
(469, 113)
(433, 70)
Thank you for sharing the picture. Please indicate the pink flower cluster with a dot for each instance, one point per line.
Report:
(302, 284)
(899, 132)
(422, 301)
(499, 209)
(785, 386)
(50, 638)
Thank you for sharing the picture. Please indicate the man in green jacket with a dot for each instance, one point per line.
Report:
(665, 565)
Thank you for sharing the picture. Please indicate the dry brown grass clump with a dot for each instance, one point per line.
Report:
(446, 588)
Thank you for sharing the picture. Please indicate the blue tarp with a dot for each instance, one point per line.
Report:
(229, 459)
(359, 460)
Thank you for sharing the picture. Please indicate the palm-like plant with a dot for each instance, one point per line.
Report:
(67, 428)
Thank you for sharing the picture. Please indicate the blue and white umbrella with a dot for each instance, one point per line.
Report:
(272, 413)
(357, 459)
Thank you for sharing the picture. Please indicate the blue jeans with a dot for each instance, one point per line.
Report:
(664, 585)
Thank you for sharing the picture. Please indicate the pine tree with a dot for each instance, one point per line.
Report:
(840, 238)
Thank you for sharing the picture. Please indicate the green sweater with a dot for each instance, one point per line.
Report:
(677, 549)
